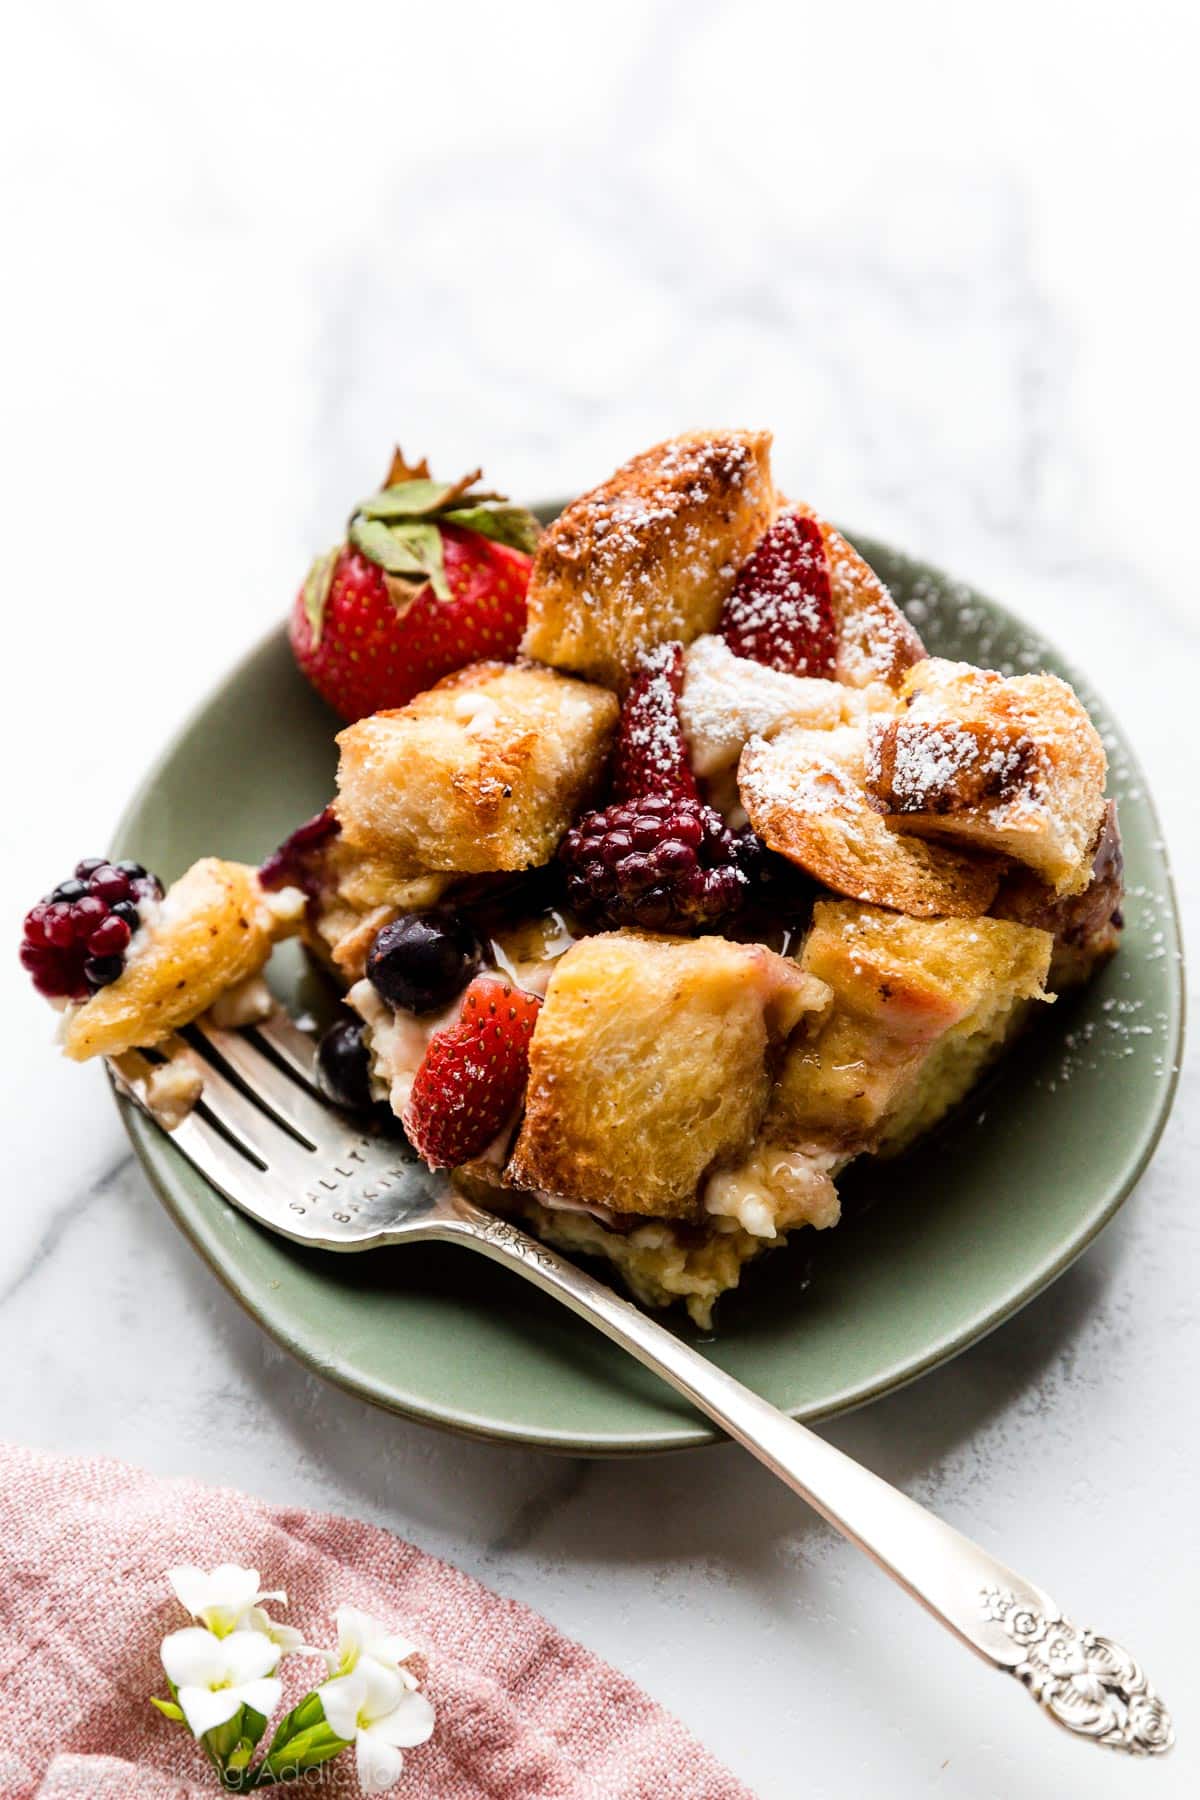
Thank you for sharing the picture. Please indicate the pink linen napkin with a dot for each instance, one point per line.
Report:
(523, 1713)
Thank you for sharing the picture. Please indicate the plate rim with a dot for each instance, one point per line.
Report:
(144, 1138)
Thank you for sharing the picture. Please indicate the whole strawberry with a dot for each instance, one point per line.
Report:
(432, 576)
(473, 1074)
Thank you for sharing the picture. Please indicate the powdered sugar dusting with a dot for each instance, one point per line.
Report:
(614, 528)
(875, 639)
(780, 612)
(651, 756)
(821, 775)
(920, 768)
(727, 700)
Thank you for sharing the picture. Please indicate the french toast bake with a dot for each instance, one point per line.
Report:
(687, 880)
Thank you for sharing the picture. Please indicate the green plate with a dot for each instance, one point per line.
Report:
(936, 1251)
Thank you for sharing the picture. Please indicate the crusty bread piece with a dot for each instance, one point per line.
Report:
(650, 555)
(214, 929)
(728, 699)
(875, 640)
(805, 794)
(919, 1006)
(1087, 926)
(1008, 763)
(483, 772)
(650, 1063)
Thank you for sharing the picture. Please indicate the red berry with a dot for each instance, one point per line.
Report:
(34, 926)
(377, 646)
(473, 1074)
(36, 957)
(75, 940)
(109, 938)
(651, 755)
(780, 612)
(665, 865)
(58, 927)
(87, 914)
(109, 884)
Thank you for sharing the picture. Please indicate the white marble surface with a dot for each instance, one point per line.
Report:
(951, 257)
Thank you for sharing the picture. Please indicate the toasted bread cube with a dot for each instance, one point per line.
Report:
(650, 555)
(1086, 927)
(1009, 763)
(650, 1063)
(920, 1005)
(483, 772)
(805, 794)
(215, 928)
(875, 640)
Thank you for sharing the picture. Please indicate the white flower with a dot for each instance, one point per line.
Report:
(215, 1676)
(228, 1599)
(286, 1636)
(379, 1710)
(360, 1635)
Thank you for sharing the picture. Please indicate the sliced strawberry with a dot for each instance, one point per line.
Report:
(473, 1074)
(780, 612)
(651, 754)
(432, 576)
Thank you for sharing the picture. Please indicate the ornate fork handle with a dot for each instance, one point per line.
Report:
(1085, 1682)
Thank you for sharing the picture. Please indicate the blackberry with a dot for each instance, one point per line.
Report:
(75, 938)
(667, 864)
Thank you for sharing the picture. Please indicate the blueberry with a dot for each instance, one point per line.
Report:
(100, 970)
(125, 909)
(421, 961)
(70, 890)
(88, 866)
(343, 1065)
(134, 870)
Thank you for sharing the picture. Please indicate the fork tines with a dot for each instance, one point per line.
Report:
(258, 1129)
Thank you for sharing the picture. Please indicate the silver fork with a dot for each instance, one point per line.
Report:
(271, 1145)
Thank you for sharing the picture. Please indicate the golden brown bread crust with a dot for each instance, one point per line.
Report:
(215, 928)
(1087, 926)
(805, 794)
(875, 640)
(1010, 764)
(650, 1063)
(902, 989)
(483, 772)
(650, 555)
